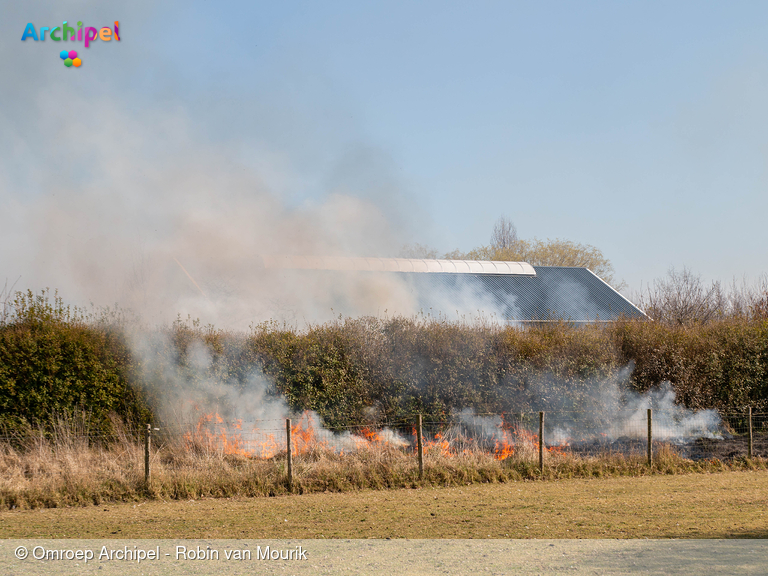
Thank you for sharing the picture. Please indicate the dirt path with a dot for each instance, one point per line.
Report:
(396, 557)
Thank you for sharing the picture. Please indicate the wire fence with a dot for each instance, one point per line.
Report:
(701, 435)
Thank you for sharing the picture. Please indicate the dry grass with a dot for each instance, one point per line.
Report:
(723, 505)
(68, 469)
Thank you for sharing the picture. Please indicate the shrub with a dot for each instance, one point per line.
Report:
(54, 361)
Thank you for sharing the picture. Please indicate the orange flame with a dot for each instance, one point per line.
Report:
(440, 444)
(212, 433)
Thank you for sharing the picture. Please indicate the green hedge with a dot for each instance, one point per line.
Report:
(54, 361)
(350, 370)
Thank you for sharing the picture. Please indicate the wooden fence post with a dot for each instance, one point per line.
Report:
(420, 447)
(147, 442)
(650, 437)
(749, 446)
(289, 455)
(541, 442)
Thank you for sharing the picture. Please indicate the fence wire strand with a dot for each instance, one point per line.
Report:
(720, 436)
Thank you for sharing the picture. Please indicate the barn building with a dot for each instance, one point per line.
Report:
(516, 291)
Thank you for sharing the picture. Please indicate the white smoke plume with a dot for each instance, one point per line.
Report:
(237, 413)
(464, 301)
(164, 204)
(612, 411)
(181, 391)
(599, 410)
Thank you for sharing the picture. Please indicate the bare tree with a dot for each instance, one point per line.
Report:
(504, 234)
(760, 307)
(505, 245)
(749, 299)
(6, 303)
(683, 298)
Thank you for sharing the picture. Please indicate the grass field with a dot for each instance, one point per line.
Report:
(720, 505)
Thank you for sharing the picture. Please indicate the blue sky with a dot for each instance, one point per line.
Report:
(638, 127)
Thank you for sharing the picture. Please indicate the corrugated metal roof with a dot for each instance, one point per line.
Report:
(515, 291)
(555, 293)
(398, 265)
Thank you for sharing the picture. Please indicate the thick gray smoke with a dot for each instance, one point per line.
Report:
(671, 421)
(163, 204)
(623, 414)
(243, 414)
(181, 237)
(610, 409)
(465, 301)
(595, 410)
(182, 390)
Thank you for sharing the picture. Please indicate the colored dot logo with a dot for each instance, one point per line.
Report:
(70, 58)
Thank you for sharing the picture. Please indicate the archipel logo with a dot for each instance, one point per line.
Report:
(68, 33)
(70, 58)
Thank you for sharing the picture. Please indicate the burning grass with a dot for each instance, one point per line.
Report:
(69, 468)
